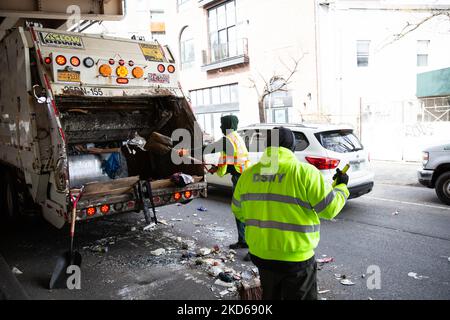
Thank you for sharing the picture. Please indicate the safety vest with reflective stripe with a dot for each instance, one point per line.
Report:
(281, 206)
(239, 159)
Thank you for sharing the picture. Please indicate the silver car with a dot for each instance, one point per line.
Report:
(326, 147)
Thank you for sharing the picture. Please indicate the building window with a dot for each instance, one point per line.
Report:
(157, 25)
(223, 34)
(362, 53)
(186, 48)
(277, 103)
(221, 95)
(422, 52)
(180, 2)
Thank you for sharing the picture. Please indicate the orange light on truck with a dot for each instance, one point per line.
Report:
(75, 61)
(90, 211)
(171, 69)
(177, 196)
(61, 60)
(161, 68)
(187, 194)
(122, 71)
(105, 70)
(104, 208)
(138, 72)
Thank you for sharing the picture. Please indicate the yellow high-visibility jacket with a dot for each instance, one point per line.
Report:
(239, 160)
(281, 206)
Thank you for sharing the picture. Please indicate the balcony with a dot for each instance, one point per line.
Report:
(225, 55)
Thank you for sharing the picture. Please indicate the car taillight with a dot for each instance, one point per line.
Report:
(425, 158)
(177, 196)
(104, 208)
(323, 163)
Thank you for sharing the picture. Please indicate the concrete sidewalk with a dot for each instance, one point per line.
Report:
(396, 172)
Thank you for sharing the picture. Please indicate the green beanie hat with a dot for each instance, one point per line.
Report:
(229, 122)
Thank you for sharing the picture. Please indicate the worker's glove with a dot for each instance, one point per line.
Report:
(183, 152)
(340, 177)
(213, 169)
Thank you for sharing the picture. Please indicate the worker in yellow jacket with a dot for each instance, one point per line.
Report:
(234, 161)
(281, 208)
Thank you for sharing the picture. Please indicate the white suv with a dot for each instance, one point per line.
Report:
(326, 147)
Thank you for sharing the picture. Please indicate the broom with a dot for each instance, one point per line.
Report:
(250, 290)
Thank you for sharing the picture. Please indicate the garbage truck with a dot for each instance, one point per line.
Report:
(77, 111)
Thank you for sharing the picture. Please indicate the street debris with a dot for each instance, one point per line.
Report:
(224, 292)
(395, 213)
(215, 271)
(223, 283)
(176, 219)
(226, 277)
(324, 291)
(158, 252)
(16, 271)
(202, 208)
(203, 251)
(133, 229)
(150, 226)
(325, 260)
(346, 282)
(416, 276)
(164, 222)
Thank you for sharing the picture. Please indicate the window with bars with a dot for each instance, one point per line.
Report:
(362, 53)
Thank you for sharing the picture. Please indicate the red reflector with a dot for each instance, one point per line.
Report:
(48, 60)
(90, 211)
(177, 196)
(104, 208)
(75, 61)
(187, 194)
(122, 80)
(131, 63)
(323, 163)
(121, 62)
(161, 68)
(111, 61)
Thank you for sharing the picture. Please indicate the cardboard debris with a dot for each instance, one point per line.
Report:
(158, 252)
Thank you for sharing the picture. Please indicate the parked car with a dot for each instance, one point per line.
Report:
(326, 147)
(436, 170)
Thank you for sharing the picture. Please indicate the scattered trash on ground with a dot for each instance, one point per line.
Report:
(324, 291)
(226, 277)
(223, 283)
(395, 213)
(133, 229)
(202, 208)
(176, 219)
(203, 251)
(346, 282)
(416, 276)
(16, 271)
(158, 252)
(164, 222)
(325, 260)
(150, 226)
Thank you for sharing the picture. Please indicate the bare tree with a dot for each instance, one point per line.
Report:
(410, 27)
(276, 83)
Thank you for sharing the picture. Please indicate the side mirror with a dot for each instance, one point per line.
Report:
(39, 94)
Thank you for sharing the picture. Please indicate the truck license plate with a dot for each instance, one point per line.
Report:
(69, 76)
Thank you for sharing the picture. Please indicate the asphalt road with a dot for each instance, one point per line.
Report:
(400, 228)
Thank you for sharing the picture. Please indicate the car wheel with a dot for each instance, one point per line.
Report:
(443, 187)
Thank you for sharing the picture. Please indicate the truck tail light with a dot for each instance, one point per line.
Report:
(111, 61)
(122, 71)
(138, 72)
(122, 80)
(88, 62)
(104, 208)
(105, 70)
(323, 163)
(171, 69)
(61, 60)
(131, 63)
(75, 61)
(187, 194)
(161, 68)
(177, 196)
(121, 62)
(91, 211)
(48, 60)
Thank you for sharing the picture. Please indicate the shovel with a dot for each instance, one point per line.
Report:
(71, 257)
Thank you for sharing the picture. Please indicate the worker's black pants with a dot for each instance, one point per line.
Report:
(300, 285)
